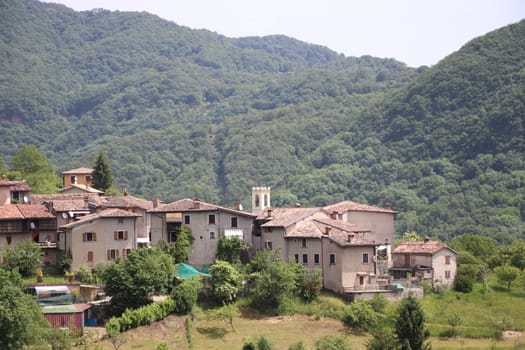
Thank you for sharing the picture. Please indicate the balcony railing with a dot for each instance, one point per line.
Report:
(47, 245)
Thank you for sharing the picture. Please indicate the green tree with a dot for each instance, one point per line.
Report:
(24, 257)
(21, 321)
(517, 254)
(382, 339)
(102, 176)
(272, 281)
(226, 313)
(31, 165)
(229, 249)
(226, 282)
(410, 325)
(185, 295)
(361, 316)
(507, 274)
(331, 342)
(465, 277)
(179, 249)
(132, 281)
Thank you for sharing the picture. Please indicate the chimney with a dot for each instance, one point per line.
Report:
(86, 201)
(156, 203)
(125, 191)
(196, 203)
(327, 230)
(237, 205)
(349, 237)
(269, 213)
(388, 206)
(427, 239)
(334, 214)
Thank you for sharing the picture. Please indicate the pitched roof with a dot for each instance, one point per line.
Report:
(127, 202)
(65, 309)
(349, 205)
(67, 201)
(108, 213)
(78, 171)
(25, 211)
(20, 186)
(422, 247)
(189, 205)
(283, 217)
(344, 234)
(84, 188)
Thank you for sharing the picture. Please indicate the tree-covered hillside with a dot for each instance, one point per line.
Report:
(191, 113)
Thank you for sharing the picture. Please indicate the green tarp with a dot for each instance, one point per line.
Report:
(185, 271)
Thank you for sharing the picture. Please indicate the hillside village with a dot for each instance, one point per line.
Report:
(351, 244)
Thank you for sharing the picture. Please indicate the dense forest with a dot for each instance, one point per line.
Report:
(192, 113)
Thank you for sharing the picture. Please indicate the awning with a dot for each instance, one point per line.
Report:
(142, 240)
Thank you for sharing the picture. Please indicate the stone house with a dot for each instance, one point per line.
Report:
(207, 223)
(100, 237)
(79, 176)
(14, 192)
(425, 261)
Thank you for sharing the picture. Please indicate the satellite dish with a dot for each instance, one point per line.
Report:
(32, 225)
(26, 200)
(64, 215)
(71, 214)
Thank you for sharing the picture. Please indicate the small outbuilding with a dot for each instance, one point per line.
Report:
(72, 316)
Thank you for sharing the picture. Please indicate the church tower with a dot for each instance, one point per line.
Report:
(260, 199)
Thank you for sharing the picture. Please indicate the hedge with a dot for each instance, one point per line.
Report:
(145, 315)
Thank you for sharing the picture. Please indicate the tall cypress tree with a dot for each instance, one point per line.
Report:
(102, 177)
(410, 326)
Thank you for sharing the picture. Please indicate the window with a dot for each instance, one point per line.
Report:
(113, 254)
(447, 275)
(296, 258)
(90, 256)
(88, 179)
(365, 258)
(305, 259)
(361, 280)
(120, 235)
(332, 259)
(73, 179)
(303, 243)
(211, 219)
(267, 229)
(120, 220)
(186, 219)
(89, 237)
(447, 260)
(316, 259)
(234, 222)
(212, 235)
(268, 245)
(125, 252)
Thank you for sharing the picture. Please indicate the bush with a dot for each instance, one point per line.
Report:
(257, 343)
(297, 346)
(185, 296)
(132, 318)
(332, 342)
(361, 316)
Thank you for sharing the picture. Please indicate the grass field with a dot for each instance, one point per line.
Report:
(481, 312)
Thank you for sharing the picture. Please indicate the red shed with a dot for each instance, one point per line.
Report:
(70, 316)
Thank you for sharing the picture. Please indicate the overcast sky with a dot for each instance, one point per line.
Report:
(417, 32)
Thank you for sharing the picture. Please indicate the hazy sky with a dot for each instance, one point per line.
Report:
(417, 32)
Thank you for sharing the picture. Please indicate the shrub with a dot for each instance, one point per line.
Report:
(297, 346)
(185, 296)
(332, 342)
(132, 318)
(361, 316)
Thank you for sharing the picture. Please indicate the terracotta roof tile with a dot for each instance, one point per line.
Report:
(188, 205)
(429, 247)
(25, 211)
(348, 205)
(108, 213)
(85, 188)
(78, 171)
(20, 186)
(128, 202)
(283, 217)
(344, 234)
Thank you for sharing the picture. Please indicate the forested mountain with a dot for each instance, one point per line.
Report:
(191, 113)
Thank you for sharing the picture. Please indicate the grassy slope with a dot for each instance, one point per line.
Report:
(481, 312)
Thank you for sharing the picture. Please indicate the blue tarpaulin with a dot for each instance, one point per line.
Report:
(185, 271)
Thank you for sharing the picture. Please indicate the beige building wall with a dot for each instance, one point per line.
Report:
(157, 228)
(442, 264)
(332, 272)
(356, 272)
(105, 229)
(380, 224)
(275, 237)
(77, 179)
(305, 246)
(5, 195)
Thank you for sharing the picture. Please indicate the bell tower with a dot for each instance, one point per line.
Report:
(260, 199)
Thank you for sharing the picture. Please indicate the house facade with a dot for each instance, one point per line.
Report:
(79, 176)
(207, 223)
(426, 261)
(23, 222)
(14, 192)
(99, 237)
